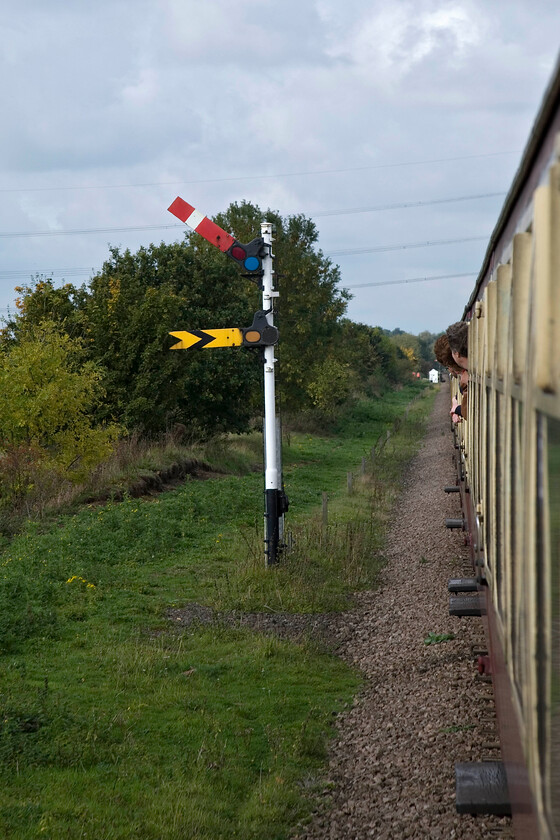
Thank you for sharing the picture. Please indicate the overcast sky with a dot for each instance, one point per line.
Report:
(111, 109)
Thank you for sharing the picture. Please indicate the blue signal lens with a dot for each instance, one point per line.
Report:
(252, 263)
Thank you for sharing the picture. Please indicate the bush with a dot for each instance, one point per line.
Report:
(45, 424)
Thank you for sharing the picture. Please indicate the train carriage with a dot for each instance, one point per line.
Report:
(509, 472)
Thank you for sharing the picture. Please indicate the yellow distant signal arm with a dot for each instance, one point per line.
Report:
(259, 334)
(204, 339)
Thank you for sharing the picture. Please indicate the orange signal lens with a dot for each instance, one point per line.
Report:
(253, 336)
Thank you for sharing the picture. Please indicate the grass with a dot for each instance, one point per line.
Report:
(197, 735)
(115, 725)
(437, 638)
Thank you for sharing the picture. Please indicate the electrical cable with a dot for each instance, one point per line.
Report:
(405, 205)
(377, 249)
(319, 213)
(258, 177)
(411, 280)
(87, 230)
(77, 272)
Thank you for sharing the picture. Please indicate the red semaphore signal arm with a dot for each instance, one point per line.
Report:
(247, 256)
(196, 220)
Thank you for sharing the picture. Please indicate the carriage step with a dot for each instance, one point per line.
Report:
(462, 585)
(481, 788)
(455, 523)
(465, 605)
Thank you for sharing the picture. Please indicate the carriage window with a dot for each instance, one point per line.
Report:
(488, 466)
(553, 462)
(513, 465)
(519, 614)
(497, 500)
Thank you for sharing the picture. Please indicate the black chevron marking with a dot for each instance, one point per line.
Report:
(204, 338)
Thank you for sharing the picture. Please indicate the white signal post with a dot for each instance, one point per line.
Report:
(272, 475)
(257, 258)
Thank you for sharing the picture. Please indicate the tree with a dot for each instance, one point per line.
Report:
(39, 301)
(374, 357)
(47, 402)
(332, 386)
(133, 305)
(130, 307)
(310, 306)
(426, 345)
(126, 313)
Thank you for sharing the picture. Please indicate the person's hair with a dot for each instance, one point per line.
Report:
(457, 335)
(442, 351)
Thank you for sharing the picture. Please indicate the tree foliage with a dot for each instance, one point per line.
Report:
(377, 360)
(418, 348)
(310, 306)
(125, 315)
(48, 400)
(123, 318)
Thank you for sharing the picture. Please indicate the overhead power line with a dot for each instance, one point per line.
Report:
(86, 230)
(18, 274)
(407, 204)
(24, 272)
(258, 177)
(385, 282)
(136, 228)
(53, 273)
(348, 252)
(412, 280)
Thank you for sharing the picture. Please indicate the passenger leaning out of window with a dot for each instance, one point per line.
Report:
(444, 356)
(457, 336)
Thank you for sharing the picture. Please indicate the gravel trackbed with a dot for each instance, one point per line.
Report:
(423, 708)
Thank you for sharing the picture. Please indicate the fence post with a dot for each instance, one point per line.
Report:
(325, 514)
(349, 482)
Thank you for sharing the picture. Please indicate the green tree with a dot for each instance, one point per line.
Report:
(332, 386)
(374, 357)
(409, 344)
(133, 305)
(125, 315)
(39, 301)
(311, 303)
(47, 402)
(426, 345)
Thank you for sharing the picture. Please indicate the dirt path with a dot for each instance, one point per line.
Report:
(422, 708)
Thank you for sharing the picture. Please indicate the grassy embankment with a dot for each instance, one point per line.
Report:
(115, 725)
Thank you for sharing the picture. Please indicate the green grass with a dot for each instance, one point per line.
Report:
(116, 725)
(198, 735)
(437, 638)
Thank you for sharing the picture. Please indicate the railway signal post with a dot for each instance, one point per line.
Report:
(257, 259)
(275, 500)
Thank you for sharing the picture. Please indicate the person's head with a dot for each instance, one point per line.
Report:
(442, 351)
(458, 337)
